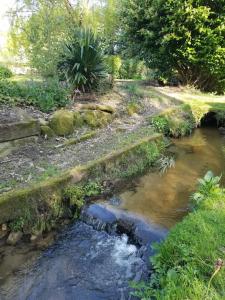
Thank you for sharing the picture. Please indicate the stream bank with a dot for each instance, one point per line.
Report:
(96, 257)
(143, 214)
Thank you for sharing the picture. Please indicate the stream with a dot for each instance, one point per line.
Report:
(109, 246)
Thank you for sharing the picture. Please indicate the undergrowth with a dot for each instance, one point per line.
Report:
(174, 122)
(46, 96)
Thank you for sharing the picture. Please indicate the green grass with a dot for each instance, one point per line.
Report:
(190, 263)
(176, 122)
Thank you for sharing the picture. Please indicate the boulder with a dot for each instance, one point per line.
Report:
(46, 131)
(101, 107)
(4, 227)
(3, 234)
(62, 122)
(7, 147)
(222, 130)
(95, 118)
(14, 238)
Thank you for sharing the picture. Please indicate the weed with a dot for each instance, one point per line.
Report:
(133, 107)
(92, 188)
(49, 171)
(175, 122)
(165, 162)
(207, 186)
(21, 222)
(75, 194)
(161, 124)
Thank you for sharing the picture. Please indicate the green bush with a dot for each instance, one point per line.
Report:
(174, 122)
(10, 88)
(113, 65)
(189, 264)
(132, 69)
(46, 95)
(5, 72)
(82, 61)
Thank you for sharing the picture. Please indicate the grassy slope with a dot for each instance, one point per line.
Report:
(188, 264)
(194, 97)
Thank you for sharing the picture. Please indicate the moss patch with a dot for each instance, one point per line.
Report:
(78, 119)
(133, 108)
(62, 122)
(47, 196)
(82, 138)
(47, 131)
(96, 118)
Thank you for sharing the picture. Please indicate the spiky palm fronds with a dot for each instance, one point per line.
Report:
(82, 61)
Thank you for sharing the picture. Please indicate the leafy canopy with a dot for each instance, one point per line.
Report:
(182, 38)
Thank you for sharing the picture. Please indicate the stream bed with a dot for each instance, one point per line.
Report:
(98, 256)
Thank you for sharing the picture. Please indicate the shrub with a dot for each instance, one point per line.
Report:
(46, 95)
(113, 65)
(132, 69)
(82, 61)
(10, 88)
(5, 72)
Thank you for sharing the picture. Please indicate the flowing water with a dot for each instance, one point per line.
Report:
(164, 198)
(94, 259)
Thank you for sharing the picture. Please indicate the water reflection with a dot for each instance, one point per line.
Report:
(164, 198)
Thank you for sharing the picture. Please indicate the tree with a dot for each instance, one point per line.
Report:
(185, 38)
(41, 27)
(38, 31)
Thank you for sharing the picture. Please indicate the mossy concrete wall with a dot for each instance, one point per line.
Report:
(18, 130)
(41, 196)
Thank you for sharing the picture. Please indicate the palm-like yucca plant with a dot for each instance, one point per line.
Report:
(82, 61)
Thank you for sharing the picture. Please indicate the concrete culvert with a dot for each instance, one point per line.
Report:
(209, 120)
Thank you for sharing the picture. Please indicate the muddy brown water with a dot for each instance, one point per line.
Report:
(88, 264)
(163, 199)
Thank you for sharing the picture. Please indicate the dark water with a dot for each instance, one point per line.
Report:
(164, 198)
(89, 263)
(84, 264)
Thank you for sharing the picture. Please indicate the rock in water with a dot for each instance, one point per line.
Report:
(222, 130)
